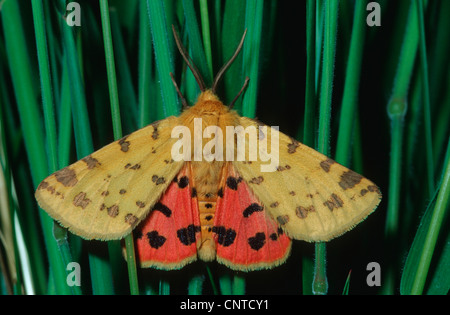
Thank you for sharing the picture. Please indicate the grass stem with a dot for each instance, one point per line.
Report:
(320, 283)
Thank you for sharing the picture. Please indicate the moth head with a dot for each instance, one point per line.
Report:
(208, 104)
(206, 93)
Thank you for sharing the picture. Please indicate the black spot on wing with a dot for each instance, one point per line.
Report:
(257, 242)
(349, 179)
(158, 180)
(124, 145)
(138, 234)
(163, 209)
(155, 240)
(183, 182)
(225, 237)
(187, 235)
(232, 182)
(254, 207)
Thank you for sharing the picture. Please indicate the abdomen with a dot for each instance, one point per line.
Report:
(206, 182)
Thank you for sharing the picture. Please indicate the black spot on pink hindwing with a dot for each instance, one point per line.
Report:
(163, 209)
(225, 237)
(138, 234)
(257, 242)
(183, 182)
(233, 182)
(254, 207)
(274, 236)
(155, 240)
(187, 235)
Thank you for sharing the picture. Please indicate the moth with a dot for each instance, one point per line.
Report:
(222, 209)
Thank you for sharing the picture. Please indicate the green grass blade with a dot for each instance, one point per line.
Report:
(351, 87)
(164, 287)
(101, 276)
(310, 94)
(411, 264)
(46, 84)
(426, 97)
(307, 275)
(326, 91)
(9, 263)
(432, 232)
(204, 15)
(197, 52)
(441, 123)
(320, 18)
(83, 138)
(111, 69)
(124, 83)
(195, 286)
(239, 284)
(131, 264)
(320, 283)
(396, 109)
(251, 55)
(416, 269)
(232, 29)
(211, 280)
(347, 284)
(145, 67)
(18, 61)
(59, 233)
(30, 121)
(217, 28)
(225, 284)
(439, 284)
(65, 122)
(309, 118)
(117, 128)
(61, 238)
(163, 55)
(54, 54)
(126, 93)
